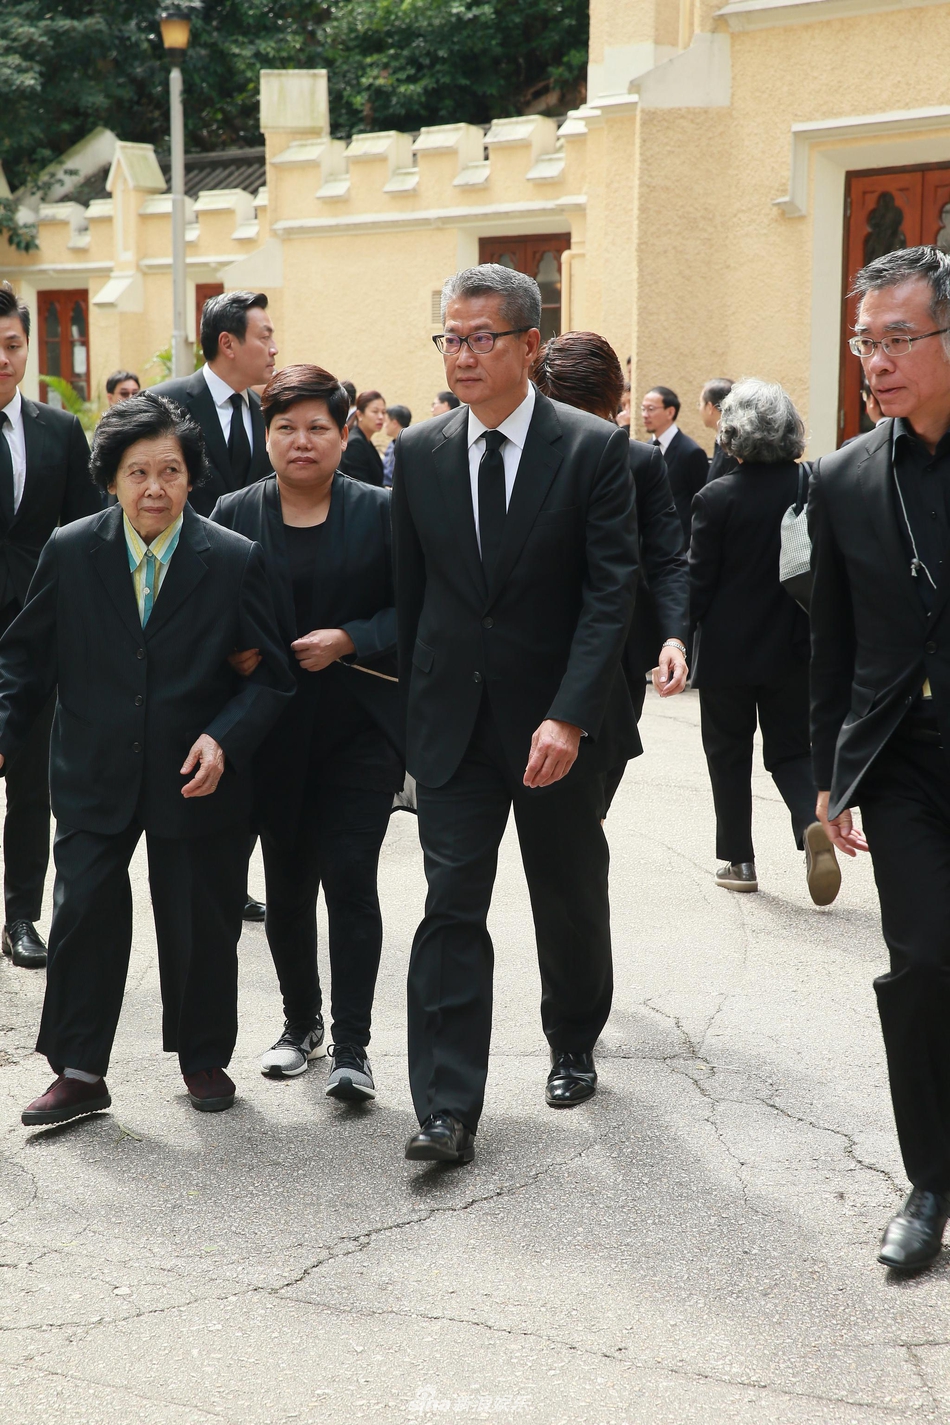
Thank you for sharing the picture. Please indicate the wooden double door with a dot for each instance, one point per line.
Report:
(885, 211)
(540, 257)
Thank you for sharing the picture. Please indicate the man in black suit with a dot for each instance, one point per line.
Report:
(44, 481)
(687, 464)
(237, 339)
(131, 616)
(880, 524)
(515, 557)
(710, 410)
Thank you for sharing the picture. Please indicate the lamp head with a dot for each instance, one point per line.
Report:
(175, 21)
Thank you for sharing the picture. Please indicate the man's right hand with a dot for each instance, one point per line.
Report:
(842, 831)
(245, 661)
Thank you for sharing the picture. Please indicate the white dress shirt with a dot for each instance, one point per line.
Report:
(13, 430)
(221, 394)
(515, 428)
(667, 436)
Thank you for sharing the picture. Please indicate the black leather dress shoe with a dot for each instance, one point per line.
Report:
(913, 1237)
(572, 1079)
(441, 1139)
(253, 910)
(24, 945)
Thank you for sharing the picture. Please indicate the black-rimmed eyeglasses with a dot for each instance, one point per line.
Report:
(479, 342)
(864, 346)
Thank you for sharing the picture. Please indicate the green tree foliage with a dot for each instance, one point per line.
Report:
(68, 67)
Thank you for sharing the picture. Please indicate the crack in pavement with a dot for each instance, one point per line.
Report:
(77, 1378)
(922, 1376)
(351, 1245)
(651, 1367)
(694, 1051)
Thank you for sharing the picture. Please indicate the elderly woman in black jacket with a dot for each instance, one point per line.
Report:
(326, 775)
(751, 651)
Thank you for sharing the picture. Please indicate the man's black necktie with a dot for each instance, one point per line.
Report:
(6, 475)
(492, 506)
(239, 447)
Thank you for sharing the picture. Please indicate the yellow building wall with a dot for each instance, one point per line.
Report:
(680, 254)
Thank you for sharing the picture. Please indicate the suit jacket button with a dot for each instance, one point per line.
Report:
(930, 646)
(139, 701)
(140, 653)
(476, 677)
(488, 623)
(136, 746)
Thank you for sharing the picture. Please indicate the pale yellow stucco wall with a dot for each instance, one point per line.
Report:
(679, 254)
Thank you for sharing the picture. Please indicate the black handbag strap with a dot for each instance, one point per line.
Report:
(803, 477)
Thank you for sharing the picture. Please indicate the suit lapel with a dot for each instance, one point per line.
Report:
(260, 460)
(274, 544)
(205, 413)
(450, 457)
(110, 554)
(877, 487)
(536, 470)
(186, 568)
(36, 439)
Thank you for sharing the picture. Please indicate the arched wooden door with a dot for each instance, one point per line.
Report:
(540, 257)
(884, 212)
(63, 319)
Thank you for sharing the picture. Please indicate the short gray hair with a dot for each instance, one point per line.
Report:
(519, 293)
(928, 264)
(760, 424)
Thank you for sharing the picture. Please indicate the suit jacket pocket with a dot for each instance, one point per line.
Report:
(423, 656)
(861, 699)
(549, 516)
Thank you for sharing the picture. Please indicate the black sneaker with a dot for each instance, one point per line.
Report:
(351, 1077)
(292, 1053)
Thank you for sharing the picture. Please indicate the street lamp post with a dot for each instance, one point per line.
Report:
(176, 30)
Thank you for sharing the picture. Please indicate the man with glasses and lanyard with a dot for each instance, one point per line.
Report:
(879, 514)
(515, 562)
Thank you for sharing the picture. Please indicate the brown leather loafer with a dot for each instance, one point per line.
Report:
(822, 873)
(66, 1099)
(210, 1090)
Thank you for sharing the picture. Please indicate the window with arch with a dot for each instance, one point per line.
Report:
(63, 321)
(540, 257)
(885, 211)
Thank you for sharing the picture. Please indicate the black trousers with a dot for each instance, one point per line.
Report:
(26, 823)
(197, 890)
(450, 970)
(728, 719)
(905, 807)
(337, 845)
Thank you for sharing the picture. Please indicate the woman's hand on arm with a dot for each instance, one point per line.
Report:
(317, 650)
(245, 661)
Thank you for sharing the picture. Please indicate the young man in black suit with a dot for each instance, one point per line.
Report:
(515, 558)
(131, 617)
(44, 482)
(880, 526)
(687, 464)
(237, 340)
(710, 411)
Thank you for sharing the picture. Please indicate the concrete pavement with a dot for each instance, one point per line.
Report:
(695, 1245)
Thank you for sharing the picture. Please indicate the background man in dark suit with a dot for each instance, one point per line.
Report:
(515, 554)
(710, 409)
(687, 464)
(880, 525)
(237, 339)
(131, 616)
(44, 481)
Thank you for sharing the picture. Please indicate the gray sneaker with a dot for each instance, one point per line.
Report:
(293, 1051)
(351, 1077)
(738, 876)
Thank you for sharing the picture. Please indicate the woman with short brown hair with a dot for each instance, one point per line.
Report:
(326, 776)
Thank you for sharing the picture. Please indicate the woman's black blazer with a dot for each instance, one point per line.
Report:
(750, 631)
(352, 591)
(361, 460)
